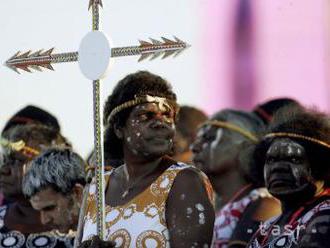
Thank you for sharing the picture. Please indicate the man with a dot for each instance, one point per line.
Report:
(295, 156)
(223, 150)
(54, 184)
(143, 194)
(20, 224)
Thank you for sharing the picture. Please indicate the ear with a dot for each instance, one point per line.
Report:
(78, 191)
(118, 131)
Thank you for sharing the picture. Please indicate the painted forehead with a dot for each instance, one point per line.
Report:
(154, 106)
(286, 146)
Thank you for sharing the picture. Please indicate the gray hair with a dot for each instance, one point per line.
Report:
(58, 168)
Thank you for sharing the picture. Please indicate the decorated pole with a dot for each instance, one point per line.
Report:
(94, 57)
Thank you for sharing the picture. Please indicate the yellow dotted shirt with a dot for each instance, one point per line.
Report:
(140, 222)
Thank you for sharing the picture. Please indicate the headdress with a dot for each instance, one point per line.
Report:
(19, 146)
(297, 136)
(162, 102)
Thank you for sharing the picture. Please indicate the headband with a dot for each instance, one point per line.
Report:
(234, 128)
(19, 146)
(162, 102)
(297, 136)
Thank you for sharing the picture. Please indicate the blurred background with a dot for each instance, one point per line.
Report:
(243, 52)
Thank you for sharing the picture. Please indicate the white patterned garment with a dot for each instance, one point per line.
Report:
(140, 222)
(228, 216)
(290, 237)
(16, 239)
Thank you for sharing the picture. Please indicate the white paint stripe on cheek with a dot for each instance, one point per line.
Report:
(215, 143)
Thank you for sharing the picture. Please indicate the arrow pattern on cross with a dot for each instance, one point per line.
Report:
(40, 59)
(152, 50)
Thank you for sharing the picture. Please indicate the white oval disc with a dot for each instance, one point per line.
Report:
(94, 55)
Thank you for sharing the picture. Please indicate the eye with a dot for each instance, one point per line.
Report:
(270, 160)
(169, 114)
(145, 116)
(208, 137)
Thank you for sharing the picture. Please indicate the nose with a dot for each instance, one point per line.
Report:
(45, 218)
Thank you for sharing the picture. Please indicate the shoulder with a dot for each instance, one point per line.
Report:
(317, 230)
(265, 207)
(192, 180)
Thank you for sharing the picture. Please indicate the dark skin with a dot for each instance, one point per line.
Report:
(216, 152)
(287, 173)
(223, 155)
(288, 177)
(147, 139)
(20, 215)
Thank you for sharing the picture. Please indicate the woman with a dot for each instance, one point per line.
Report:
(295, 154)
(151, 200)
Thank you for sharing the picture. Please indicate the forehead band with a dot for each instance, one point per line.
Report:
(19, 146)
(297, 136)
(232, 127)
(162, 102)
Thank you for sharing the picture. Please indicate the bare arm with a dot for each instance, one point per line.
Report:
(189, 212)
(255, 213)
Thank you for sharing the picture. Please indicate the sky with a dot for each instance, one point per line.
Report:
(288, 54)
(43, 24)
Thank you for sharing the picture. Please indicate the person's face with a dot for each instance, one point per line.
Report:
(214, 149)
(57, 210)
(287, 170)
(149, 130)
(11, 173)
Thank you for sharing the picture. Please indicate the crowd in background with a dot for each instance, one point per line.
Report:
(174, 177)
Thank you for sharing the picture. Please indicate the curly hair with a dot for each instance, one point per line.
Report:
(266, 110)
(139, 83)
(306, 122)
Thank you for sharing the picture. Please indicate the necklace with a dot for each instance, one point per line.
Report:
(129, 186)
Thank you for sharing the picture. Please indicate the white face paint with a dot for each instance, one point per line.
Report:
(290, 150)
(215, 143)
(199, 207)
(201, 219)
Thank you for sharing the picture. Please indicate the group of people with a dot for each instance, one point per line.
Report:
(174, 176)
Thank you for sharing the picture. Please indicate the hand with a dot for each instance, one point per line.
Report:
(96, 242)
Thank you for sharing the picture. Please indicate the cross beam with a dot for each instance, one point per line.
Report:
(44, 59)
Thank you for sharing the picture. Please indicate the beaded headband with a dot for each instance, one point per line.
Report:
(297, 136)
(232, 127)
(162, 102)
(19, 146)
